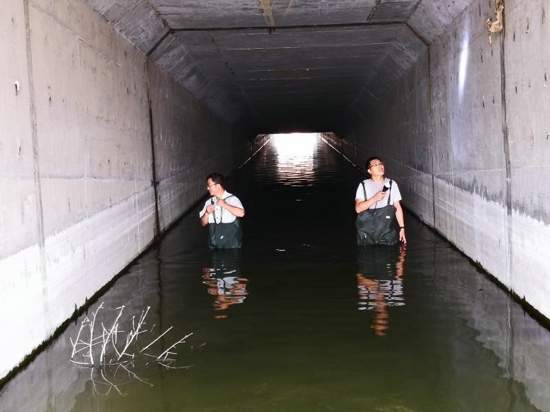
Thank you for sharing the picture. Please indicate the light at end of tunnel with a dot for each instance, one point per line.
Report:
(295, 145)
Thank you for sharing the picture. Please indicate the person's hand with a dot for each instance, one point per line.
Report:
(210, 208)
(379, 196)
(402, 236)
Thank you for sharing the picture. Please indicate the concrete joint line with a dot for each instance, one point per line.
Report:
(291, 27)
(432, 133)
(159, 42)
(507, 156)
(505, 131)
(36, 166)
(163, 21)
(418, 35)
(154, 180)
(34, 127)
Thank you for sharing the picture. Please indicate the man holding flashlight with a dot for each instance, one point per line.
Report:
(221, 213)
(379, 192)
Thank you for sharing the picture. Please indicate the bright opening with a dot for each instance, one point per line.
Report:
(295, 147)
(295, 156)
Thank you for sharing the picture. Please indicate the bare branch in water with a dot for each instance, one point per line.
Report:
(151, 344)
(173, 346)
(112, 357)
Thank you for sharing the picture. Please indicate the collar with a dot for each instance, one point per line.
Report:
(224, 195)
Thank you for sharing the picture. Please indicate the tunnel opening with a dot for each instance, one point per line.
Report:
(295, 150)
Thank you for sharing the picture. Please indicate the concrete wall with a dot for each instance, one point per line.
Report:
(466, 135)
(187, 151)
(76, 162)
(527, 57)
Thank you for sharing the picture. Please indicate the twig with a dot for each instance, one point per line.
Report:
(111, 383)
(80, 363)
(82, 325)
(134, 333)
(182, 340)
(92, 323)
(106, 339)
(151, 344)
(137, 377)
(175, 367)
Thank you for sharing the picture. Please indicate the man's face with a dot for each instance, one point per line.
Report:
(212, 187)
(376, 167)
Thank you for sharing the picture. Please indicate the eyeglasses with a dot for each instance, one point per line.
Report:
(210, 185)
(376, 165)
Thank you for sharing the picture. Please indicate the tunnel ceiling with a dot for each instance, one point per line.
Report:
(283, 64)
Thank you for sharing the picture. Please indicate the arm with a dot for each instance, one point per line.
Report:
(204, 219)
(362, 205)
(401, 220)
(206, 214)
(237, 211)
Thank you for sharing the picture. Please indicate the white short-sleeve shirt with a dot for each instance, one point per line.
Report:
(373, 188)
(220, 214)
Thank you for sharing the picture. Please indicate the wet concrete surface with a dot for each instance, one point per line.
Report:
(300, 319)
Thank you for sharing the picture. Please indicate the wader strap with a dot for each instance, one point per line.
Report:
(221, 211)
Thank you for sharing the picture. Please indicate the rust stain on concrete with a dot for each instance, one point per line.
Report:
(268, 12)
(498, 25)
(290, 4)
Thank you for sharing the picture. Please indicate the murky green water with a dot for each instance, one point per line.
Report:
(298, 320)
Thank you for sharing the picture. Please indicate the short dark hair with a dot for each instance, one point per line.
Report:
(217, 178)
(370, 159)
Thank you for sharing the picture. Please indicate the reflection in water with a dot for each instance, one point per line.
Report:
(295, 157)
(380, 283)
(223, 280)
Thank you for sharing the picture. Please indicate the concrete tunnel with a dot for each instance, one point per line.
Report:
(113, 112)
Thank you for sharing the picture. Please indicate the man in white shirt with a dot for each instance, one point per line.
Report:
(221, 213)
(376, 193)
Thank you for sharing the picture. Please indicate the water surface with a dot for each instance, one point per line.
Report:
(299, 319)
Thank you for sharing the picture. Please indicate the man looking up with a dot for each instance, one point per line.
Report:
(379, 192)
